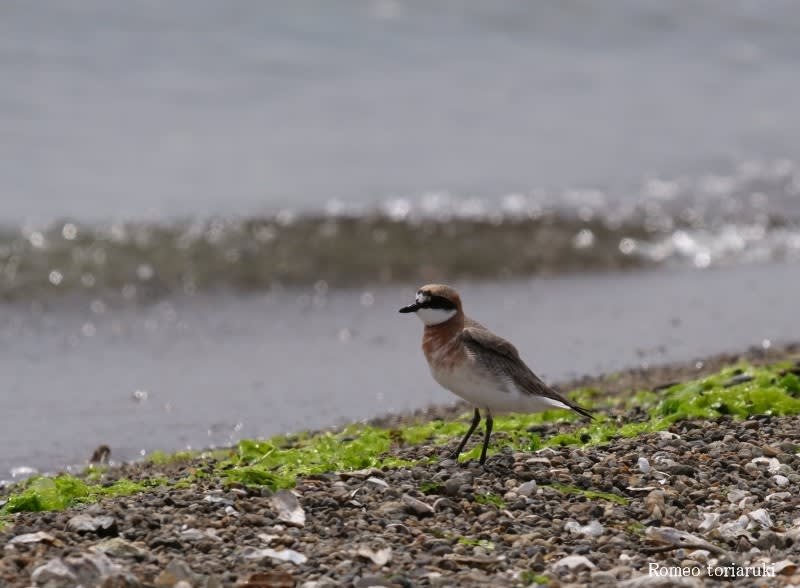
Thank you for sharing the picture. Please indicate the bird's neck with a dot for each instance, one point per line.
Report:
(435, 336)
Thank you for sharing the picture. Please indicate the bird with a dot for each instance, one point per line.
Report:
(472, 362)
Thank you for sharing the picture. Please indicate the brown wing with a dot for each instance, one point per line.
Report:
(501, 357)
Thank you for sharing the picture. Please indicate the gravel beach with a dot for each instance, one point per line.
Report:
(700, 504)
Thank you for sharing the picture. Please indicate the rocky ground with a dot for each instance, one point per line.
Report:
(706, 496)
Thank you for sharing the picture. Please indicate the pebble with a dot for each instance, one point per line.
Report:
(761, 517)
(38, 537)
(120, 548)
(573, 562)
(417, 507)
(289, 555)
(593, 529)
(288, 508)
(780, 481)
(102, 525)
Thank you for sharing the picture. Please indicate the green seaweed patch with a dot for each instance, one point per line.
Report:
(771, 391)
(428, 487)
(603, 430)
(529, 578)
(635, 528)
(515, 426)
(277, 464)
(159, 457)
(766, 392)
(491, 499)
(589, 494)
(95, 472)
(41, 493)
(484, 543)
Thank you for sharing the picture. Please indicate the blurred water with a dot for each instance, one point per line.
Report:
(151, 110)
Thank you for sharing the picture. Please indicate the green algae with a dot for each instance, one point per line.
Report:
(159, 457)
(767, 392)
(484, 543)
(428, 488)
(528, 578)
(764, 390)
(490, 499)
(741, 391)
(42, 493)
(276, 463)
(588, 494)
(635, 528)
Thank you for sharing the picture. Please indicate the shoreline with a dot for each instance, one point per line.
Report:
(368, 356)
(558, 502)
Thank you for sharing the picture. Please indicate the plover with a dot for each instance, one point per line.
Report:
(472, 362)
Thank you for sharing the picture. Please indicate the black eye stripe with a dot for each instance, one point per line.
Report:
(439, 303)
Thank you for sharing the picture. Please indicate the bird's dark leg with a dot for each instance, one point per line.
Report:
(475, 420)
(489, 425)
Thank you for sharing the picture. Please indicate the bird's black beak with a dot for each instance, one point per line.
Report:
(410, 308)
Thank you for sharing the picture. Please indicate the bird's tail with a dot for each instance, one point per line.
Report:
(581, 411)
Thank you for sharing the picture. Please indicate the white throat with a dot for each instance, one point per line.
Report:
(435, 316)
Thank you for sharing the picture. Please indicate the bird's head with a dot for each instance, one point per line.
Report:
(435, 304)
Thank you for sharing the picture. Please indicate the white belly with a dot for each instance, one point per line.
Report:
(490, 393)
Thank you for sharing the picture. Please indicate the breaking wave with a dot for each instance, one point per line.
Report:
(749, 217)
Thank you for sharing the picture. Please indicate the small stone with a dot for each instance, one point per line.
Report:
(280, 555)
(593, 529)
(681, 469)
(373, 582)
(527, 489)
(54, 574)
(193, 535)
(452, 486)
(710, 520)
(604, 577)
(767, 540)
(120, 548)
(736, 495)
(644, 465)
(760, 517)
(216, 499)
(654, 503)
(268, 580)
(780, 481)
(379, 557)
(785, 567)
(377, 482)
(573, 563)
(176, 571)
(288, 508)
(770, 463)
(416, 506)
(104, 526)
(86, 569)
(38, 537)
